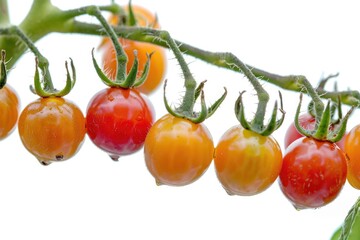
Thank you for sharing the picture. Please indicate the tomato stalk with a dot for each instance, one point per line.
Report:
(3, 71)
(122, 79)
(43, 85)
(323, 117)
(192, 91)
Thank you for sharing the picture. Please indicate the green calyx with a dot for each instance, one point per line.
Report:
(122, 79)
(185, 110)
(257, 124)
(324, 127)
(42, 80)
(3, 71)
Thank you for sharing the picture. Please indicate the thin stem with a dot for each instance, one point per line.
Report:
(42, 62)
(190, 83)
(120, 53)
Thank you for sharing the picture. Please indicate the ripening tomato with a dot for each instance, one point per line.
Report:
(352, 149)
(9, 110)
(118, 120)
(313, 172)
(157, 63)
(246, 163)
(158, 60)
(308, 123)
(52, 129)
(178, 151)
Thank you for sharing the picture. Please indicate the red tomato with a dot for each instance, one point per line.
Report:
(178, 151)
(352, 149)
(9, 110)
(247, 163)
(308, 123)
(52, 129)
(313, 173)
(118, 120)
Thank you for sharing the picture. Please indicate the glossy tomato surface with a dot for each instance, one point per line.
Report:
(313, 173)
(177, 151)
(247, 163)
(118, 120)
(9, 110)
(352, 149)
(52, 129)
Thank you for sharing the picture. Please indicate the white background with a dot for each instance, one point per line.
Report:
(92, 197)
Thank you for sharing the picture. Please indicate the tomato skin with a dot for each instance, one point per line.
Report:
(313, 172)
(177, 151)
(118, 120)
(9, 110)
(306, 121)
(52, 129)
(157, 68)
(352, 149)
(246, 163)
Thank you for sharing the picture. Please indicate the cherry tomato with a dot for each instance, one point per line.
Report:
(9, 110)
(352, 149)
(158, 60)
(157, 63)
(313, 172)
(118, 120)
(52, 129)
(178, 151)
(308, 123)
(246, 163)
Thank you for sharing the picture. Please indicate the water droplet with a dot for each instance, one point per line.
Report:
(114, 157)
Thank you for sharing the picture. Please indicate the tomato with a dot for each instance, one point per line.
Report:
(158, 60)
(352, 149)
(118, 120)
(157, 63)
(9, 110)
(308, 123)
(52, 129)
(313, 172)
(246, 163)
(178, 151)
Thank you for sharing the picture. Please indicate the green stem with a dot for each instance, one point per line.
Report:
(190, 83)
(120, 53)
(42, 62)
(318, 104)
(4, 13)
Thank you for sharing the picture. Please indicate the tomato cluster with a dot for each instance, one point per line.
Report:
(121, 121)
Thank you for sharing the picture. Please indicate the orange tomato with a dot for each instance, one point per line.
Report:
(177, 151)
(352, 149)
(52, 129)
(9, 110)
(247, 163)
(158, 60)
(157, 63)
